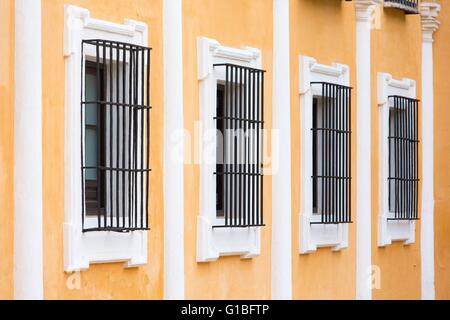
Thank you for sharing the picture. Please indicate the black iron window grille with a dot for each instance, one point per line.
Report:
(331, 144)
(240, 125)
(115, 136)
(409, 6)
(403, 158)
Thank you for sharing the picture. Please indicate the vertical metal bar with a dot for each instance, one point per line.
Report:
(117, 100)
(129, 120)
(245, 164)
(238, 145)
(82, 132)
(403, 158)
(111, 83)
(98, 88)
(148, 140)
(322, 153)
(142, 110)
(123, 134)
(225, 112)
(349, 155)
(258, 149)
(253, 144)
(417, 158)
(339, 153)
(396, 157)
(135, 136)
(261, 195)
(333, 153)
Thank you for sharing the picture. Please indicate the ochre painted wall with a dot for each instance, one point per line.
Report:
(6, 148)
(396, 49)
(442, 154)
(324, 30)
(234, 23)
(109, 281)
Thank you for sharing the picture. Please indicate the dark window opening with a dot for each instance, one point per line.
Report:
(239, 169)
(94, 140)
(219, 166)
(403, 158)
(331, 153)
(115, 140)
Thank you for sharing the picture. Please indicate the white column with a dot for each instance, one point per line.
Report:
(173, 146)
(364, 13)
(429, 13)
(28, 259)
(281, 180)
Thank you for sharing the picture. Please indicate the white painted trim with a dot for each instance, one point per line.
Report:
(429, 12)
(82, 249)
(281, 141)
(313, 236)
(214, 243)
(173, 151)
(28, 236)
(388, 230)
(364, 10)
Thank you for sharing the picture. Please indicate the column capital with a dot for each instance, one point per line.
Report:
(429, 12)
(365, 9)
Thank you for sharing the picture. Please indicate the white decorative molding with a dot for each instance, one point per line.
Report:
(281, 142)
(313, 236)
(28, 233)
(82, 249)
(173, 151)
(429, 12)
(389, 230)
(215, 242)
(365, 9)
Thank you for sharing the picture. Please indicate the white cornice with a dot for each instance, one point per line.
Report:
(429, 12)
(77, 18)
(365, 9)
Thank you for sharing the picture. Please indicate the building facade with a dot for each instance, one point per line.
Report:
(241, 149)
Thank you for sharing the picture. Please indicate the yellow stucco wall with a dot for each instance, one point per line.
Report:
(324, 30)
(109, 281)
(396, 49)
(233, 23)
(442, 155)
(6, 148)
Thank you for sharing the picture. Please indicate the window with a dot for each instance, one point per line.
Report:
(331, 154)
(106, 141)
(326, 170)
(239, 121)
(231, 105)
(116, 113)
(399, 160)
(409, 6)
(403, 159)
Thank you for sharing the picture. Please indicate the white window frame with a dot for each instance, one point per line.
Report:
(390, 231)
(314, 236)
(213, 243)
(83, 249)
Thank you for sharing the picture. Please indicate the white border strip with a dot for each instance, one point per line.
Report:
(281, 180)
(173, 148)
(28, 242)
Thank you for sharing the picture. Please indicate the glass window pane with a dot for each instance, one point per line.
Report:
(91, 153)
(91, 95)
